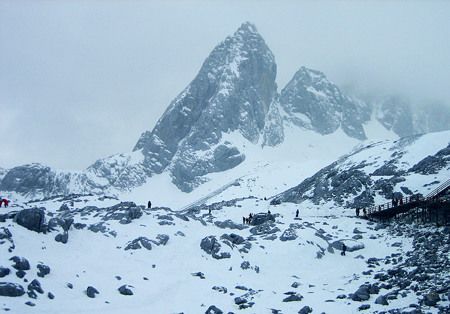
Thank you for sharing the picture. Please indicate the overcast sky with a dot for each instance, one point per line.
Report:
(80, 80)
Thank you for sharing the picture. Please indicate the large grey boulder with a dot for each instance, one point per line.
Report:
(32, 219)
(138, 243)
(9, 289)
(261, 218)
(212, 247)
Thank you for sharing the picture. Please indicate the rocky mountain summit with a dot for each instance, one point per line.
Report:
(233, 91)
(313, 102)
(231, 107)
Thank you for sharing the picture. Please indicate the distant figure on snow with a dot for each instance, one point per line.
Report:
(365, 212)
(344, 248)
(149, 204)
(209, 211)
(268, 212)
(296, 213)
(4, 201)
(357, 212)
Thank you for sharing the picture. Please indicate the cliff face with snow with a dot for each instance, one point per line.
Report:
(313, 102)
(233, 91)
(232, 100)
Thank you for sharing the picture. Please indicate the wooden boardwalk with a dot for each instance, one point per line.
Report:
(437, 202)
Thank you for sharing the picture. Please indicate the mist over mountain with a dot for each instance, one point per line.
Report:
(233, 100)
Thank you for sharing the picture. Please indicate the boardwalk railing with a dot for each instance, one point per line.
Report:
(439, 189)
(405, 204)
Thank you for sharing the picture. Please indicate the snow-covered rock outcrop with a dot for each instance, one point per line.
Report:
(378, 171)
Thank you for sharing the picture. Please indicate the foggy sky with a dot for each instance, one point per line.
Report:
(80, 80)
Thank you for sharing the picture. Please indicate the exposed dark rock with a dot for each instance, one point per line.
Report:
(4, 271)
(364, 307)
(9, 289)
(35, 285)
(261, 218)
(220, 289)
(199, 274)
(138, 243)
(305, 310)
(43, 270)
(213, 310)
(62, 238)
(431, 299)
(293, 297)
(362, 294)
(91, 292)
(288, 235)
(264, 229)
(50, 295)
(125, 290)
(233, 238)
(20, 263)
(240, 300)
(32, 219)
(211, 246)
(381, 300)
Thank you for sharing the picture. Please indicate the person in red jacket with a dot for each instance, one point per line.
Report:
(6, 202)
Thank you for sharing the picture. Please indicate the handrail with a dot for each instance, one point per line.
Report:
(439, 189)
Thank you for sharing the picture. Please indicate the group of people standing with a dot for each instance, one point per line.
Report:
(247, 220)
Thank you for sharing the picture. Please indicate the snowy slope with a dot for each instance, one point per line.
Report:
(379, 171)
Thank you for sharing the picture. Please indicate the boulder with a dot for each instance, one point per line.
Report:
(43, 270)
(35, 285)
(362, 294)
(431, 298)
(233, 238)
(62, 237)
(213, 310)
(32, 219)
(211, 246)
(9, 289)
(381, 300)
(125, 290)
(138, 243)
(20, 263)
(288, 235)
(352, 245)
(264, 229)
(261, 218)
(305, 310)
(4, 271)
(91, 292)
(293, 297)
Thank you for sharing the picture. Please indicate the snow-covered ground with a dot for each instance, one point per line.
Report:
(162, 278)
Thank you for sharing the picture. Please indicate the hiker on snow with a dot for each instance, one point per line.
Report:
(344, 248)
(149, 204)
(296, 214)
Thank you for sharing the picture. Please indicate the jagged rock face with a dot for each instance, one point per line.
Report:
(36, 180)
(232, 92)
(395, 114)
(313, 102)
